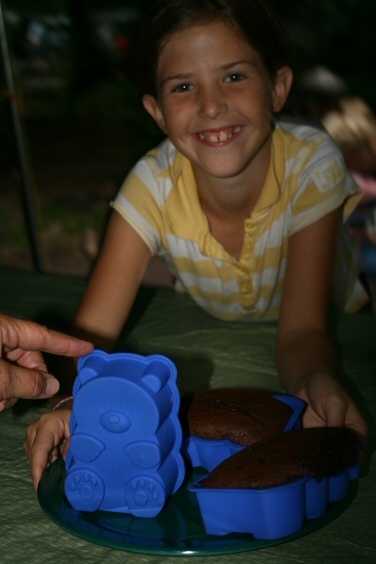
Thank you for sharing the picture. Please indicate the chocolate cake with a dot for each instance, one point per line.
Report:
(318, 452)
(243, 416)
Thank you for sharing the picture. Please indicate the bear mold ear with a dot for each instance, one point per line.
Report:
(89, 367)
(160, 371)
(153, 382)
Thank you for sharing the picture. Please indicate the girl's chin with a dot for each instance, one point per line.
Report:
(218, 168)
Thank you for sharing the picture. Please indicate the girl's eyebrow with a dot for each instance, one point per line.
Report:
(229, 66)
(176, 77)
(226, 67)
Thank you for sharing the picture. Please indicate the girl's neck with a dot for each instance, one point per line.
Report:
(227, 203)
(231, 198)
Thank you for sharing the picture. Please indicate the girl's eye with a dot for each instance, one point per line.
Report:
(183, 87)
(235, 77)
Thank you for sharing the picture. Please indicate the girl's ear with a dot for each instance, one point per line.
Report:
(281, 87)
(152, 107)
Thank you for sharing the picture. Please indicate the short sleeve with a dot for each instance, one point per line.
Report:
(324, 185)
(141, 198)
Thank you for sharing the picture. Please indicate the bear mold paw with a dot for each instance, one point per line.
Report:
(145, 496)
(84, 489)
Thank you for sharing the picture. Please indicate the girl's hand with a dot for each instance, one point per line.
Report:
(47, 439)
(329, 404)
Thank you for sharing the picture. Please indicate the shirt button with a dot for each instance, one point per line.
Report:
(246, 287)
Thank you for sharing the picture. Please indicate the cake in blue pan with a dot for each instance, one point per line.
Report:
(223, 421)
(270, 488)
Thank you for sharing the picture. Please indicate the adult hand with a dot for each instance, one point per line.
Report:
(46, 440)
(23, 371)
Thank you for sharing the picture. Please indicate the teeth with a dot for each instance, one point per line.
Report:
(223, 136)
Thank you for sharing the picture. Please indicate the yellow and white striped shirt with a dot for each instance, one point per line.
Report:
(306, 180)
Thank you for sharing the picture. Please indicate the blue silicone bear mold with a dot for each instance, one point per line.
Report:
(124, 454)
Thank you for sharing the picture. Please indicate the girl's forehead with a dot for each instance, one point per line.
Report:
(213, 38)
(208, 28)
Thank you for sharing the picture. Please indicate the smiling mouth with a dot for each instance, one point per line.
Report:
(218, 137)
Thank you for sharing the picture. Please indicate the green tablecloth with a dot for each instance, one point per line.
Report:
(207, 352)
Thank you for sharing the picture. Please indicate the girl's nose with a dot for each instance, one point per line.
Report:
(212, 103)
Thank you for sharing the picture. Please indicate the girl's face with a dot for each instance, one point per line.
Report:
(215, 100)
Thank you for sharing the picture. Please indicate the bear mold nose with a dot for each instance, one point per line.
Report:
(115, 421)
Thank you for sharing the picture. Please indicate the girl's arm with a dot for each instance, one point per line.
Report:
(114, 283)
(110, 292)
(305, 357)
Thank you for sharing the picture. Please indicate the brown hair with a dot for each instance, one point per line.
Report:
(253, 19)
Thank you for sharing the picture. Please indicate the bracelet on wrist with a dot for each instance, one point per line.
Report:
(62, 402)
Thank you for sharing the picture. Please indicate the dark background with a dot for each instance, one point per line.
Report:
(83, 124)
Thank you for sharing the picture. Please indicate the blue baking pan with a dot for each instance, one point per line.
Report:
(270, 513)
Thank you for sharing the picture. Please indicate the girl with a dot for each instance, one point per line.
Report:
(245, 209)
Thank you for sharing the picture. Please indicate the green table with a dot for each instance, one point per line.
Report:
(207, 352)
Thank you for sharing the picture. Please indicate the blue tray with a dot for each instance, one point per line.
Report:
(178, 530)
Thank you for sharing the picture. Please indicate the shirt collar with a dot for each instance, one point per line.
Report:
(271, 190)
